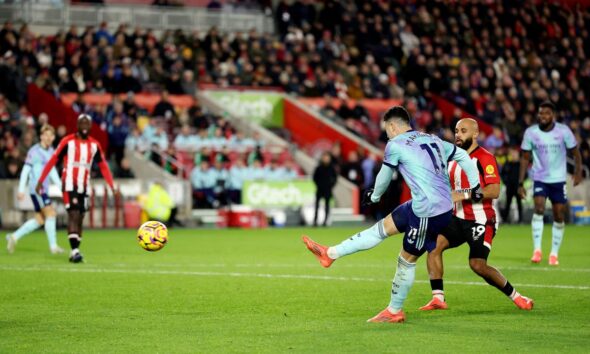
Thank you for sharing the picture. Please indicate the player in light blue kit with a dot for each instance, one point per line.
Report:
(548, 142)
(37, 158)
(422, 160)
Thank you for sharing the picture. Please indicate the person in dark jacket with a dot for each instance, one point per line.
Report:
(324, 177)
(509, 175)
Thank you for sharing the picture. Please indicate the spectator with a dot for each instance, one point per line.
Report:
(509, 174)
(184, 141)
(495, 140)
(275, 172)
(324, 177)
(203, 180)
(124, 170)
(160, 206)
(164, 108)
(238, 173)
(352, 169)
(118, 133)
(136, 142)
(160, 138)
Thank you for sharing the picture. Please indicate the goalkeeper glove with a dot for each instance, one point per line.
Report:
(367, 193)
(476, 193)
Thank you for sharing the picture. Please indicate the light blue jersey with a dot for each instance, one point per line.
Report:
(37, 158)
(422, 160)
(549, 150)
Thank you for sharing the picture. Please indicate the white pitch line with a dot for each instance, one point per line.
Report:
(85, 269)
(358, 266)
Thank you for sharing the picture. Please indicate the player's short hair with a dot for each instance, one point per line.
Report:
(548, 104)
(47, 128)
(397, 112)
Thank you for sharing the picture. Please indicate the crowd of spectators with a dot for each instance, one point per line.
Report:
(496, 60)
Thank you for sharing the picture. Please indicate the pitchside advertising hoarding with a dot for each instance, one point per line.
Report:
(277, 194)
(261, 107)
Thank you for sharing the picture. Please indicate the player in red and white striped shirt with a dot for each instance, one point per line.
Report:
(78, 152)
(473, 222)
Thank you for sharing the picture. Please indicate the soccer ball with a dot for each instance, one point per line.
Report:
(152, 236)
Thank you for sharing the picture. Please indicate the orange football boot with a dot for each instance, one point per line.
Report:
(553, 261)
(435, 304)
(537, 255)
(524, 303)
(321, 252)
(386, 316)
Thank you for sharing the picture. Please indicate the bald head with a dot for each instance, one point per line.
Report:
(466, 133)
(469, 123)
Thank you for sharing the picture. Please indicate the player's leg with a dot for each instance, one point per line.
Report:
(49, 215)
(75, 205)
(558, 199)
(317, 207)
(479, 249)
(327, 199)
(434, 264)
(74, 231)
(363, 240)
(29, 225)
(420, 236)
(540, 195)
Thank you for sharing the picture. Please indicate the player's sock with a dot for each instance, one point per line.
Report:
(437, 289)
(558, 230)
(50, 231)
(402, 283)
(364, 240)
(537, 226)
(74, 241)
(26, 228)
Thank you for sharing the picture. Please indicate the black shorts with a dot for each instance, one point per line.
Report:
(478, 236)
(76, 201)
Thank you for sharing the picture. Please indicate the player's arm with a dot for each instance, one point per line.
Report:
(382, 182)
(572, 145)
(22, 183)
(578, 165)
(104, 168)
(525, 160)
(61, 149)
(488, 170)
(383, 179)
(54, 178)
(462, 157)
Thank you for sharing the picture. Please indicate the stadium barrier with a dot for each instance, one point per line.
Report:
(156, 18)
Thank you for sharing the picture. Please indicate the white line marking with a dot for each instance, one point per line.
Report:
(86, 269)
(358, 266)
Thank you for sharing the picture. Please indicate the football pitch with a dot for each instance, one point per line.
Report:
(254, 291)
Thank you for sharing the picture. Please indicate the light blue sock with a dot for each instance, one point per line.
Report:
(26, 228)
(364, 240)
(402, 283)
(558, 230)
(537, 226)
(50, 231)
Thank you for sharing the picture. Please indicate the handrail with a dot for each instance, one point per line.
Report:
(173, 161)
(156, 18)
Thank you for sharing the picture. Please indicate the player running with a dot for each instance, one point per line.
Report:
(37, 157)
(422, 160)
(472, 222)
(548, 142)
(78, 151)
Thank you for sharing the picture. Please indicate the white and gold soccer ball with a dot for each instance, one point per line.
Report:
(152, 236)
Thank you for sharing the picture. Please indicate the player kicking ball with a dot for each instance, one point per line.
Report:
(422, 160)
(548, 142)
(37, 157)
(78, 152)
(473, 222)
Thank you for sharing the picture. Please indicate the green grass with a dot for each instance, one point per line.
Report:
(261, 291)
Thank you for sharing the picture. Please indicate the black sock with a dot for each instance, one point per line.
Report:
(74, 240)
(436, 284)
(507, 289)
